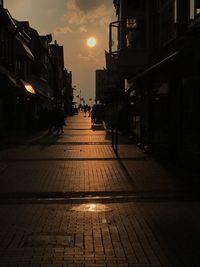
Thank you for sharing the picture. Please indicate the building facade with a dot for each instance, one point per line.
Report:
(31, 73)
(157, 58)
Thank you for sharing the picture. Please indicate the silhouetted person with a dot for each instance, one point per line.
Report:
(85, 109)
(89, 111)
(93, 116)
(59, 120)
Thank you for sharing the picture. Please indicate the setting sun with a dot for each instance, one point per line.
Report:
(91, 42)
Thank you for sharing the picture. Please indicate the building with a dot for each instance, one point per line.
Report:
(157, 59)
(67, 91)
(107, 86)
(31, 73)
(58, 66)
(15, 60)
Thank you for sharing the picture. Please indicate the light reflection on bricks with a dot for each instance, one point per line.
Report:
(91, 207)
(120, 236)
(115, 234)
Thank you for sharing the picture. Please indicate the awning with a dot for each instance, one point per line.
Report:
(23, 50)
(156, 67)
(32, 89)
(5, 75)
(8, 83)
(160, 63)
(41, 85)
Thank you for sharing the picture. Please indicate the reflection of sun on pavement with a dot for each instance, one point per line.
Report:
(92, 207)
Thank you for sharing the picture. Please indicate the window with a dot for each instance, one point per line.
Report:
(197, 7)
(135, 32)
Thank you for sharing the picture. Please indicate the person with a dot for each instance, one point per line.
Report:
(93, 116)
(85, 110)
(89, 111)
(59, 120)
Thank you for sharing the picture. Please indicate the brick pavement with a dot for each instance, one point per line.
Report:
(127, 234)
(138, 232)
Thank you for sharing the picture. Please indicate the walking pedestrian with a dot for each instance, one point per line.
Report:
(89, 111)
(59, 121)
(85, 110)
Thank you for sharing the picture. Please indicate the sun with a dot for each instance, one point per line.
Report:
(91, 42)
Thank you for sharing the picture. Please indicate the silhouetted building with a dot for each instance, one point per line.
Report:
(156, 56)
(31, 73)
(58, 66)
(15, 60)
(101, 84)
(67, 91)
(107, 86)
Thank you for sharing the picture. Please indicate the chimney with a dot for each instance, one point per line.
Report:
(1, 3)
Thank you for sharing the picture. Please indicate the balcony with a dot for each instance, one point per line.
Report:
(128, 51)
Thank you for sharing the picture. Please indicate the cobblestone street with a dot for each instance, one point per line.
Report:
(69, 201)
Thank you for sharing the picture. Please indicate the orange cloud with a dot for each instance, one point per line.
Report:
(100, 15)
(62, 30)
(83, 29)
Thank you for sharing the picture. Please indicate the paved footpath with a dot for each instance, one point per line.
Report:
(69, 201)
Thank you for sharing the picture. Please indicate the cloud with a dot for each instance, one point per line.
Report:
(90, 56)
(51, 12)
(88, 5)
(85, 58)
(62, 30)
(13, 4)
(94, 12)
(72, 22)
(83, 29)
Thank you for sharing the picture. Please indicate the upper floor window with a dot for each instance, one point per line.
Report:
(135, 33)
(132, 32)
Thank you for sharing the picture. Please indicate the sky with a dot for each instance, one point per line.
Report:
(71, 23)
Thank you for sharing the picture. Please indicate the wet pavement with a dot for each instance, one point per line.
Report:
(70, 201)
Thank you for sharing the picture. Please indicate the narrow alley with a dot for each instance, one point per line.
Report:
(68, 200)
